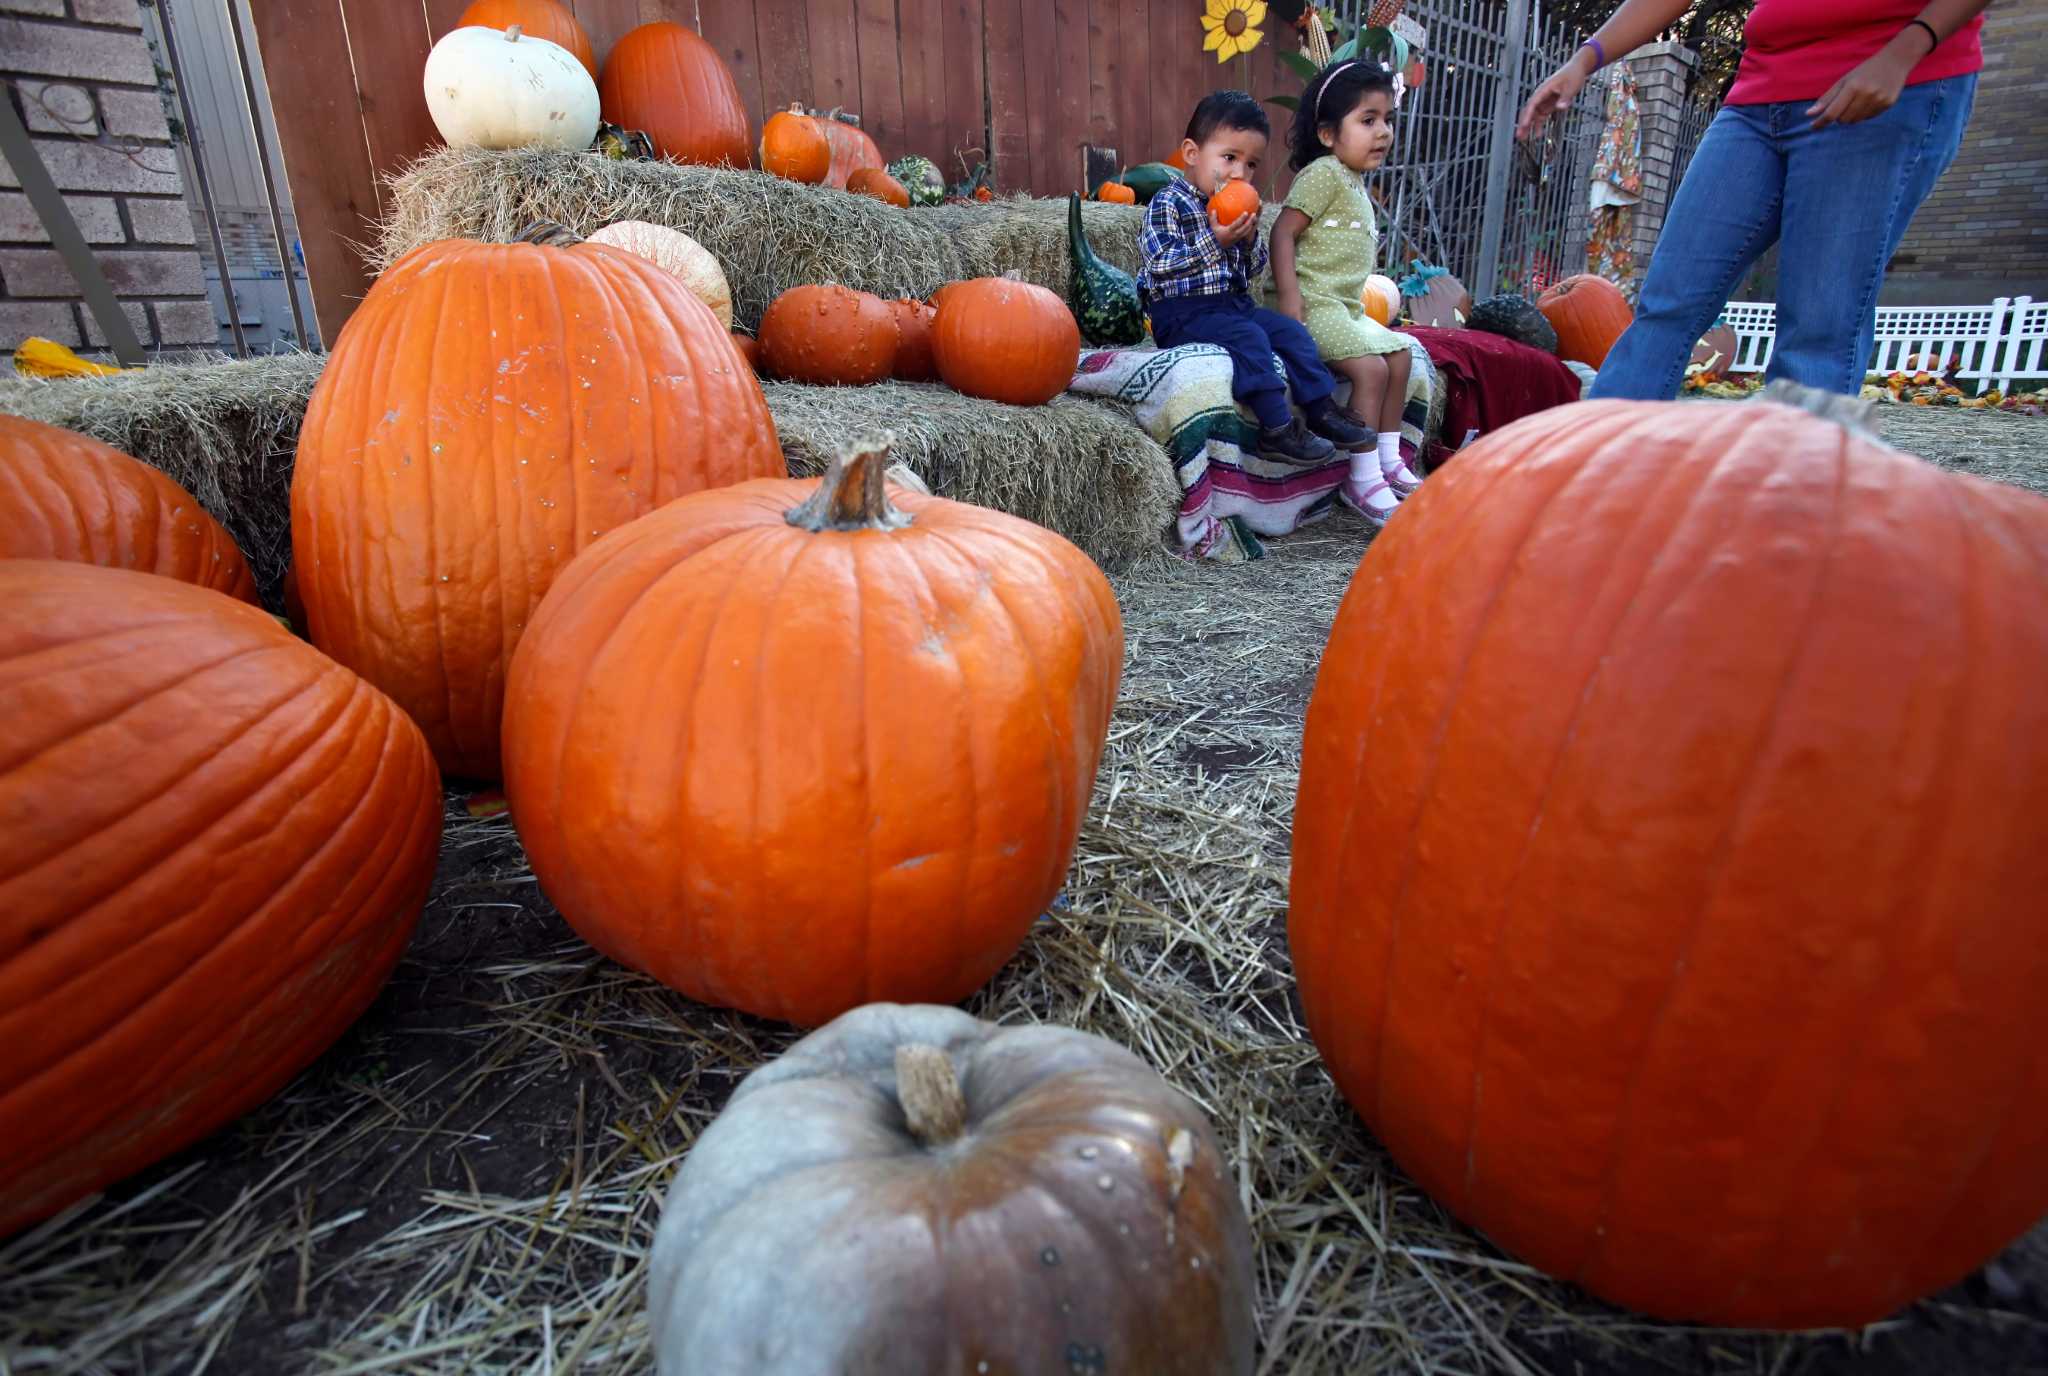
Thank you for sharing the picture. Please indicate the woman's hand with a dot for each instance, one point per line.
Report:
(1870, 88)
(1556, 94)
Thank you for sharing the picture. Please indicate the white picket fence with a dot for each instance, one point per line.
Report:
(1996, 344)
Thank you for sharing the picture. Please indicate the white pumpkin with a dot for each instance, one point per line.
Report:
(1389, 296)
(488, 88)
(676, 252)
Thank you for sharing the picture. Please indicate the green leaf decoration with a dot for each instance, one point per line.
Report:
(1344, 52)
(1284, 102)
(1400, 62)
(1299, 65)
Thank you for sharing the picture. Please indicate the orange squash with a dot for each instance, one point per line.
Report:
(1668, 879)
(1116, 193)
(64, 495)
(852, 149)
(914, 361)
(488, 411)
(1005, 340)
(793, 147)
(742, 844)
(1589, 313)
(664, 79)
(832, 335)
(750, 349)
(873, 181)
(547, 19)
(217, 844)
(1232, 199)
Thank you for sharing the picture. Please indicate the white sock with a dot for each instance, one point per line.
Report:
(1365, 464)
(1390, 448)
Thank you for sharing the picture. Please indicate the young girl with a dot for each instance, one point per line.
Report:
(1325, 246)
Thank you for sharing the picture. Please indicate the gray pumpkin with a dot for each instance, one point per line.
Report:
(1514, 317)
(910, 1190)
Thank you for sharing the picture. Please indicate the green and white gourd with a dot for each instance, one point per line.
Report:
(921, 178)
(1104, 298)
(1514, 317)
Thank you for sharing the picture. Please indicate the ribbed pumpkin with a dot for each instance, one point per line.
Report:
(1116, 193)
(829, 334)
(67, 496)
(852, 149)
(217, 842)
(1668, 871)
(914, 361)
(1005, 340)
(488, 411)
(675, 252)
(791, 749)
(663, 78)
(1589, 313)
(873, 181)
(547, 19)
(793, 147)
(1090, 1217)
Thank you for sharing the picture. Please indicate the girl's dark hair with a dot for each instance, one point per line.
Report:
(1333, 94)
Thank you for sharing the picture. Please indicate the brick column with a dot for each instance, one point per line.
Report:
(84, 82)
(1662, 71)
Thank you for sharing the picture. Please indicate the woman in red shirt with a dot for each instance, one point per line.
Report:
(1843, 115)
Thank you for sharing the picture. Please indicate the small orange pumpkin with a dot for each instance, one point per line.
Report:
(793, 148)
(1178, 158)
(829, 334)
(1116, 193)
(1005, 340)
(746, 845)
(1589, 313)
(67, 496)
(873, 181)
(750, 349)
(1232, 199)
(914, 361)
(548, 19)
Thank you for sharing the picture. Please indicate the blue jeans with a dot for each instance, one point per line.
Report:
(1251, 335)
(1837, 200)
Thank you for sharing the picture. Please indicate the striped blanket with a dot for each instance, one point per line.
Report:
(1229, 496)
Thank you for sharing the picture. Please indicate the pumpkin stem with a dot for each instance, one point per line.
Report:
(512, 33)
(853, 494)
(929, 1091)
(548, 234)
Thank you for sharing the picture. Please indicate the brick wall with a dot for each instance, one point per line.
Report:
(1984, 231)
(83, 80)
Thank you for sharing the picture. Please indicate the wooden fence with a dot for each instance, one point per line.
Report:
(1026, 82)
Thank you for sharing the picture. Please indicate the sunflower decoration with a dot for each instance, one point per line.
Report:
(1233, 27)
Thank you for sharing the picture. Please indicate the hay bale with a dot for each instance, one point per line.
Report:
(229, 430)
(1077, 466)
(225, 429)
(768, 234)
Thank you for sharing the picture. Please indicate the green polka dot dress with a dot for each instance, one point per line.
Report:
(1332, 259)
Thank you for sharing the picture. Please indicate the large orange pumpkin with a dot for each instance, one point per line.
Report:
(1668, 871)
(791, 749)
(547, 19)
(1005, 340)
(216, 844)
(793, 147)
(488, 411)
(914, 361)
(64, 495)
(1589, 313)
(830, 334)
(664, 79)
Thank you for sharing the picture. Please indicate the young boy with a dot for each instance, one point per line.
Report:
(1196, 286)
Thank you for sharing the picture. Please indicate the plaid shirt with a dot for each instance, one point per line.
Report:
(1182, 255)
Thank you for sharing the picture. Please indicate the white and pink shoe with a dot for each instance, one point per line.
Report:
(1395, 469)
(1370, 497)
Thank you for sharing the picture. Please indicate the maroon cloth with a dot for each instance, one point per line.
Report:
(1489, 382)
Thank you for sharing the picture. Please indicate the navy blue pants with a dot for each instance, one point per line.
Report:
(1252, 335)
